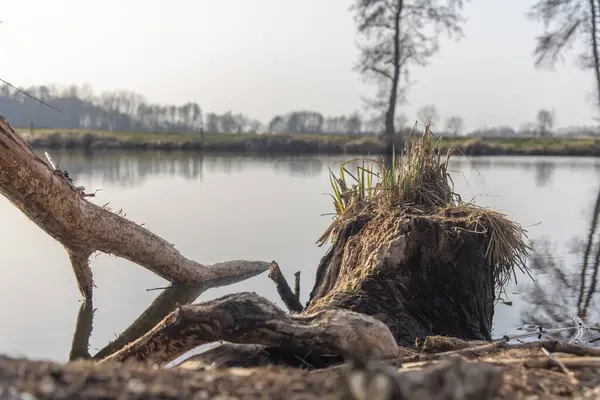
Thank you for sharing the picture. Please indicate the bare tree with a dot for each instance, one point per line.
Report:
(545, 119)
(398, 34)
(566, 22)
(428, 113)
(455, 125)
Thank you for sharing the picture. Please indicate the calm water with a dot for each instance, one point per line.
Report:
(215, 208)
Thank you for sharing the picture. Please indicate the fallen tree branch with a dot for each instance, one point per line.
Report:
(289, 298)
(48, 198)
(251, 319)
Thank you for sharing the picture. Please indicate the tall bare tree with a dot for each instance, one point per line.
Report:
(398, 34)
(565, 23)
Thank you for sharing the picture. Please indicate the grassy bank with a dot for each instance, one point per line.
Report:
(298, 143)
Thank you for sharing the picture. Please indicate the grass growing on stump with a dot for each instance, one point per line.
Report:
(401, 234)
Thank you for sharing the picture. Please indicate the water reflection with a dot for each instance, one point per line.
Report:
(128, 169)
(266, 208)
(543, 167)
(560, 293)
(172, 296)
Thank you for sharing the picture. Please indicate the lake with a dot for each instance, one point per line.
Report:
(221, 207)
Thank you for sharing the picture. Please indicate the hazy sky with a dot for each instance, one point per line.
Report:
(263, 57)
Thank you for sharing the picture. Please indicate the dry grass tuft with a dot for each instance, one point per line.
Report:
(418, 183)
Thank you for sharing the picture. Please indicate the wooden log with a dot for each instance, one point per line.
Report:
(48, 198)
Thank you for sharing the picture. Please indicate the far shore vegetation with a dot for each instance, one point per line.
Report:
(300, 143)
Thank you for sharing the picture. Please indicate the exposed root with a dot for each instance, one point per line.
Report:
(251, 319)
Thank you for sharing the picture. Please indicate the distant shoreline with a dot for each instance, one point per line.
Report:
(296, 144)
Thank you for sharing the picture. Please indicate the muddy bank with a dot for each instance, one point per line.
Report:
(309, 144)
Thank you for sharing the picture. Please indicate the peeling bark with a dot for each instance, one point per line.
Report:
(51, 201)
(247, 318)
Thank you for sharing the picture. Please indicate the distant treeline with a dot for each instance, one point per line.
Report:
(128, 111)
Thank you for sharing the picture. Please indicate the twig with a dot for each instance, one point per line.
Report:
(539, 332)
(545, 362)
(171, 286)
(554, 346)
(573, 380)
(289, 298)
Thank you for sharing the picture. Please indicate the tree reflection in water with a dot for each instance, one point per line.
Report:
(170, 298)
(561, 294)
(130, 169)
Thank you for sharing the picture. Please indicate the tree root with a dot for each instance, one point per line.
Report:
(251, 319)
(48, 197)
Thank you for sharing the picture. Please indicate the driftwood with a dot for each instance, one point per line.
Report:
(49, 198)
(251, 319)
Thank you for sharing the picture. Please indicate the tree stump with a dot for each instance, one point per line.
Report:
(418, 274)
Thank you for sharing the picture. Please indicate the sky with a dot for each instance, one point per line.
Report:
(268, 57)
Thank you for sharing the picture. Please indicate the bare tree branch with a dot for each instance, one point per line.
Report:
(50, 200)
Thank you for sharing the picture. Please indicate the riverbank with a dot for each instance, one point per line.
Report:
(537, 370)
(298, 143)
